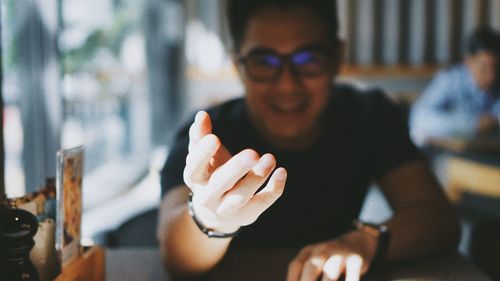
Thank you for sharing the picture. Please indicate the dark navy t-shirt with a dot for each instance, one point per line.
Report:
(364, 138)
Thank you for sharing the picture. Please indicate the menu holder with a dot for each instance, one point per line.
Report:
(69, 203)
(89, 266)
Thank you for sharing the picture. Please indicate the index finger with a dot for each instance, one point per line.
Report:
(296, 266)
(353, 266)
(201, 127)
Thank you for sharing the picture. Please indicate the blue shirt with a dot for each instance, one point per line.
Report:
(451, 106)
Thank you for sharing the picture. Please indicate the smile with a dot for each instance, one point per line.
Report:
(289, 108)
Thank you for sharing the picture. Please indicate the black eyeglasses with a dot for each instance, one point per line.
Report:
(264, 65)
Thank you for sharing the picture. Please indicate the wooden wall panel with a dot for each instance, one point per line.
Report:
(394, 32)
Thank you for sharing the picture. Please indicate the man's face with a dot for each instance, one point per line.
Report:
(483, 67)
(287, 106)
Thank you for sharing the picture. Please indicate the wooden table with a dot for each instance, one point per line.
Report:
(473, 165)
(144, 264)
(472, 176)
(479, 145)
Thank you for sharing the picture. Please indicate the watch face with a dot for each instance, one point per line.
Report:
(382, 228)
(370, 228)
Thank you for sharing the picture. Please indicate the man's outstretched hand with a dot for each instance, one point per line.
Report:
(224, 186)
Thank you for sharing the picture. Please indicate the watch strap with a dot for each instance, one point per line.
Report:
(383, 239)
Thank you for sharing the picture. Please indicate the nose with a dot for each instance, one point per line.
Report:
(287, 81)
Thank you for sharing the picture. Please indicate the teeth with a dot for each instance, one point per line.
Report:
(288, 108)
(281, 109)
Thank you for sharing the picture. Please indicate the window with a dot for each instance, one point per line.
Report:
(104, 92)
(74, 73)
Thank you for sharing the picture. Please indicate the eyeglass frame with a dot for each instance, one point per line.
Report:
(286, 59)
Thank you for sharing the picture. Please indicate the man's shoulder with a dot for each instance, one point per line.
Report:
(229, 117)
(454, 71)
(366, 105)
(452, 81)
(221, 114)
(352, 97)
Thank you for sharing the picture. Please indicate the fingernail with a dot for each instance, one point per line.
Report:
(263, 166)
(249, 158)
(266, 161)
(280, 174)
(211, 141)
(198, 116)
(248, 161)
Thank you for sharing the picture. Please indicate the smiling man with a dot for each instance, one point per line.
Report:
(287, 72)
(288, 166)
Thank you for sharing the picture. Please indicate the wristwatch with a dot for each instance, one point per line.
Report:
(381, 232)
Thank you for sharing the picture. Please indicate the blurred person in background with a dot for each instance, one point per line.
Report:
(289, 165)
(462, 100)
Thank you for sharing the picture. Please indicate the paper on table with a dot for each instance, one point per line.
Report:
(43, 255)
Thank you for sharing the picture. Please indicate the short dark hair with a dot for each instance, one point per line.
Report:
(483, 39)
(239, 13)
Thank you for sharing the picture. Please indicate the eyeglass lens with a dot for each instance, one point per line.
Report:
(268, 66)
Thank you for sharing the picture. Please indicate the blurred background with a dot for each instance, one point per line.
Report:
(119, 76)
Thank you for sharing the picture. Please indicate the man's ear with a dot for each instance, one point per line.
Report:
(235, 63)
(338, 56)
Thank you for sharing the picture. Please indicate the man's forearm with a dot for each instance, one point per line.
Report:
(423, 230)
(185, 249)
